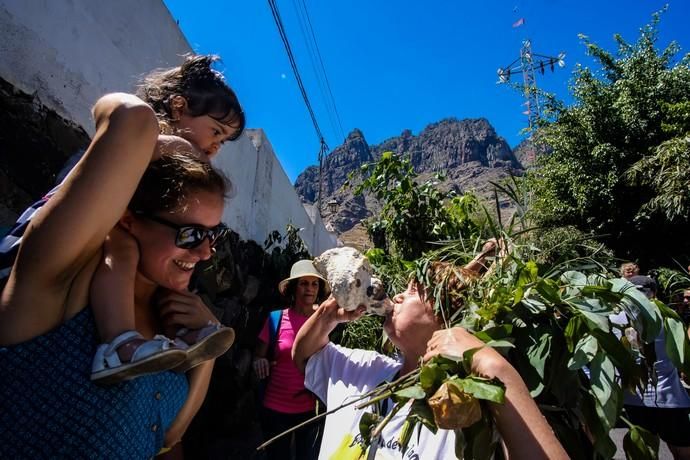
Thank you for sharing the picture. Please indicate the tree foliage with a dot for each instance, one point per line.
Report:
(620, 160)
(414, 216)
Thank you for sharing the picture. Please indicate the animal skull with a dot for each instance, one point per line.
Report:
(352, 284)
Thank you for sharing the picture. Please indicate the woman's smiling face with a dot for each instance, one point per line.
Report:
(161, 261)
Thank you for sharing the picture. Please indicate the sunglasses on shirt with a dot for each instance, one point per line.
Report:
(191, 236)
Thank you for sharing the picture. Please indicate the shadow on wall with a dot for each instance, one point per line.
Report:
(36, 142)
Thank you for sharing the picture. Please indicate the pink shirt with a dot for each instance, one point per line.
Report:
(285, 391)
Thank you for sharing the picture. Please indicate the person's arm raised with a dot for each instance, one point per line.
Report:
(524, 429)
(313, 335)
(71, 227)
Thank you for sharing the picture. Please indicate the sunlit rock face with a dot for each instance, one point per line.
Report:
(468, 152)
(351, 280)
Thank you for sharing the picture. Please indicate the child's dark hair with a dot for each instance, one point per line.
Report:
(168, 182)
(203, 88)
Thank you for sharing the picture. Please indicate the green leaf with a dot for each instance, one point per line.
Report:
(677, 346)
(585, 350)
(640, 444)
(500, 344)
(422, 413)
(413, 392)
(533, 305)
(574, 279)
(598, 427)
(481, 388)
(574, 330)
(640, 309)
(593, 318)
(607, 393)
(602, 292)
(480, 439)
(367, 423)
(431, 376)
(629, 370)
(467, 358)
(460, 444)
(495, 333)
(537, 354)
(548, 289)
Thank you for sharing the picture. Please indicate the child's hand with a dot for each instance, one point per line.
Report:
(184, 309)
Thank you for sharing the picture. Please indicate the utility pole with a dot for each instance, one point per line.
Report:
(526, 65)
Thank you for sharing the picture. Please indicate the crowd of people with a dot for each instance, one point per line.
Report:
(106, 353)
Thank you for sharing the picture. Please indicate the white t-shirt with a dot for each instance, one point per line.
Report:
(337, 375)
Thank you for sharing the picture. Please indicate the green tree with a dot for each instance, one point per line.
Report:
(620, 160)
(414, 216)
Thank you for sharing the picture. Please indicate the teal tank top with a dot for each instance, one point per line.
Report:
(49, 408)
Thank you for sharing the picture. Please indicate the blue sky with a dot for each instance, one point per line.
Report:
(395, 65)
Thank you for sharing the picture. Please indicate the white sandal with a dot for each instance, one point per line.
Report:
(212, 341)
(152, 356)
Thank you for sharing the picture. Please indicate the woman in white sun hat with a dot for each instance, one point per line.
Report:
(285, 401)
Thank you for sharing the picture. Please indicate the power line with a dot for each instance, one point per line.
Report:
(317, 73)
(293, 64)
(323, 69)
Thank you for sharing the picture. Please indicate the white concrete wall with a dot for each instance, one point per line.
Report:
(70, 52)
(265, 199)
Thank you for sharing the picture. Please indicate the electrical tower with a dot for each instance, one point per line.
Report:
(526, 65)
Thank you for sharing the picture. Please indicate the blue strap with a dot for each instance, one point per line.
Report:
(274, 320)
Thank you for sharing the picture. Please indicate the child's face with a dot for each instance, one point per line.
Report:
(205, 132)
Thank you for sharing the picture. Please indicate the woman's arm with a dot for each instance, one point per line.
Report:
(262, 368)
(523, 428)
(313, 335)
(69, 230)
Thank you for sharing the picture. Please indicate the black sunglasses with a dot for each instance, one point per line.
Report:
(191, 236)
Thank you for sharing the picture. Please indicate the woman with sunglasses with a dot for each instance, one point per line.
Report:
(48, 405)
(192, 101)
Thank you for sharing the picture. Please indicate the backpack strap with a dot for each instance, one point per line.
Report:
(274, 320)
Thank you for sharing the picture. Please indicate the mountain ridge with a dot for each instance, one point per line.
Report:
(468, 152)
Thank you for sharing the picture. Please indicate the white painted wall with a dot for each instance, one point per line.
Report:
(265, 199)
(70, 52)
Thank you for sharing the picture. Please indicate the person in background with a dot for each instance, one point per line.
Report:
(664, 407)
(629, 269)
(286, 402)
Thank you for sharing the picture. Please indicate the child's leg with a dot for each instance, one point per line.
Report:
(125, 354)
(112, 290)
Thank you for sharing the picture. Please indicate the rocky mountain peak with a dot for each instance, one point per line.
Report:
(460, 149)
(354, 134)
